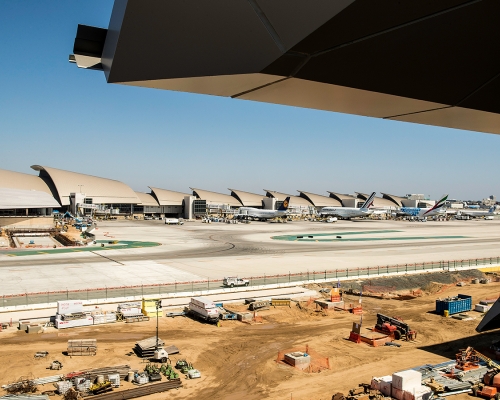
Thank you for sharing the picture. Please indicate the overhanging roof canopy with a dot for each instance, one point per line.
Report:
(491, 319)
(320, 201)
(146, 199)
(377, 201)
(429, 62)
(294, 200)
(18, 199)
(246, 198)
(216, 198)
(340, 196)
(18, 180)
(168, 197)
(397, 200)
(101, 190)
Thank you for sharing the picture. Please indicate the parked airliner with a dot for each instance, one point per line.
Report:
(423, 213)
(257, 213)
(477, 214)
(350, 212)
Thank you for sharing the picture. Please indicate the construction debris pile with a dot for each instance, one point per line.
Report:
(471, 372)
(82, 347)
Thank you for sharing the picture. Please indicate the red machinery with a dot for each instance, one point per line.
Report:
(394, 327)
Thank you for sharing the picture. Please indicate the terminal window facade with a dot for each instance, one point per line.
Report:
(199, 207)
(138, 209)
(124, 208)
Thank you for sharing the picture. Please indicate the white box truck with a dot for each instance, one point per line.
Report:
(204, 309)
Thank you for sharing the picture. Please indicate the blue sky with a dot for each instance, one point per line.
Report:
(54, 114)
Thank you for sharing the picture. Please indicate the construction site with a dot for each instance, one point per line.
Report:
(321, 344)
(254, 311)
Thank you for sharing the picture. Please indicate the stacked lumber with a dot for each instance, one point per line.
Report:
(146, 348)
(122, 370)
(82, 347)
(140, 391)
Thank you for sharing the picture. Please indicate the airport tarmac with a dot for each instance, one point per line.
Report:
(196, 251)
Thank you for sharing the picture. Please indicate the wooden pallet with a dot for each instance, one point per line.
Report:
(139, 318)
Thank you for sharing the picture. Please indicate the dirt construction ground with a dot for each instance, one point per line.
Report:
(237, 360)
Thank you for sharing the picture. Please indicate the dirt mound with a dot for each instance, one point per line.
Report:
(409, 285)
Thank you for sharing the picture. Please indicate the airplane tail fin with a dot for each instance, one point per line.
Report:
(440, 203)
(285, 205)
(492, 210)
(369, 201)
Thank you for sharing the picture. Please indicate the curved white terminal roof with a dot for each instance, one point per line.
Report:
(320, 201)
(168, 197)
(294, 200)
(246, 198)
(396, 200)
(340, 196)
(146, 199)
(19, 198)
(377, 201)
(216, 198)
(101, 190)
(18, 180)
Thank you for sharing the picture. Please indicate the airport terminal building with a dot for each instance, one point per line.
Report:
(34, 199)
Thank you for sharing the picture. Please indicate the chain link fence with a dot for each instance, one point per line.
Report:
(165, 289)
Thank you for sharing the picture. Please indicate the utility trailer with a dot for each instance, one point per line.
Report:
(226, 314)
(394, 327)
(204, 309)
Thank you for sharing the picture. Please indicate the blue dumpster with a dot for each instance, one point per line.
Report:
(454, 305)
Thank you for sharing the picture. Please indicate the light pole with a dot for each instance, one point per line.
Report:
(158, 307)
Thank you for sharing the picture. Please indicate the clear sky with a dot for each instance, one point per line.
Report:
(54, 114)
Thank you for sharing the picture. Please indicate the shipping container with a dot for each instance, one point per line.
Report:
(454, 305)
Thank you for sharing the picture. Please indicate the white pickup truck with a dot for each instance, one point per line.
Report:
(233, 281)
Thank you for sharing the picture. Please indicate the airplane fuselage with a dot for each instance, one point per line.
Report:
(346, 212)
(421, 212)
(259, 213)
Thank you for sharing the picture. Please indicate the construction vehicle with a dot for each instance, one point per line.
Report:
(99, 388)
(486, 392)
(55, 365)
(153, 372)
(233, 281)
(394, 327)
(469, 359)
